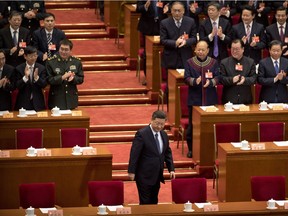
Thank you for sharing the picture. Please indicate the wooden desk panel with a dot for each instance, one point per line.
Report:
(152, 67)
(175, 79)
(225, 209)
(70, 174)
(131, 37)
(50, 125)
(203, 135)
(111, 13)
(237, 166)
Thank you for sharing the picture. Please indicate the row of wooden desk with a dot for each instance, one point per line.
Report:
(227, 209)
(70, 174)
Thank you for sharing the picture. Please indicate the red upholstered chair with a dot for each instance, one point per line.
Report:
(271, 131)
(223, 133)
(14, 97)
(189, 189)
(37, 195)
(264, 188)
(163, 86)
(70, 137)
(184, 113)
(106, 192)
(219, 89)
(27, 137)
(257, 90)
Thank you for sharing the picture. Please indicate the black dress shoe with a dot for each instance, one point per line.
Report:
(189, 154)
(144, 83)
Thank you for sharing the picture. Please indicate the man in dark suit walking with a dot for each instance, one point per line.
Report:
(150, 149)
(6, 83)
(47, 39)
(272, 75)
(251, 33)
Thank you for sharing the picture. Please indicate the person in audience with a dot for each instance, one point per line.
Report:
(238, 73)
(152, 12)
(47, 39)
(30, 80)
(272, 73)
(33, 12)
(4, 14)
(251, 33)
(216, 31)
(13, 40)
(279, 30)
(201, 75)
(262, 10)
(177, 34)
(150, 149)
(64, 74)
(6, 83)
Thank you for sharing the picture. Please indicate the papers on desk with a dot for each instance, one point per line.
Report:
(30, 112)
(3, 112)
(237, 106)
(65, 112)
(281, 143)
(271, 105)
(281, 202)
(180, 70)
(204, 108)
(113, 208)
(201, 205)
(45, 210)
(134, 5)
(237, 144)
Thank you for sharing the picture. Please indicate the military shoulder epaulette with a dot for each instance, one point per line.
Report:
(76, 58)
(53, 57)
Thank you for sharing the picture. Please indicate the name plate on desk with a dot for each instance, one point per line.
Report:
(277, 107)
(4, 154)
(124, 210)
(76, 113)
(286, 205)
(89, 151)
(43, 152)
(42, 114)
(209, 208)
(55, 212)
(258, 146)
(8, 115)
(244, 108)
(211, 109)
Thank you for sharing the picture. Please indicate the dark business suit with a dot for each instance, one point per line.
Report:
(174, 57)
(146, 162)
(258, 30)
(4, 14)
(206, 28)
(272, 33)
(272, 92)
(5, 92)
(6, 43)
(232, 92)
(39, 41)
(30, 87)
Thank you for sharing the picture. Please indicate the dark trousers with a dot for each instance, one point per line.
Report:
(189, 130)
(148, 194)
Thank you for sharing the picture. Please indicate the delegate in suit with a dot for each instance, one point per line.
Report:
(272, 75)
(30, 80)
(64, 74)
(150, 149)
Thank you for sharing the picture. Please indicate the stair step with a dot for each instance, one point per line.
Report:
(103, 58)
(57, 4)
(113, 91)
(82, 26)
(105, 65)
(75, 33)
(121, 127)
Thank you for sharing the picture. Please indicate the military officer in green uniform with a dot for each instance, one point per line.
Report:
(64, 74)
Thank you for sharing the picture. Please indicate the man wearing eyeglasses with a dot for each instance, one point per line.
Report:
(150, 149)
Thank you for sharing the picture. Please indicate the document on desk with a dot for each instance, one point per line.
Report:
(236, 144)
(114, 207)
(45, 210)
(3, 112)
(65, 112)
(281, 143)
(201, 205)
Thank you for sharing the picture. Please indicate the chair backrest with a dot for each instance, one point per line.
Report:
(257, 90)
(219, 89)
(226, 132)
(271, 131)
(70, 137)
(183, 96)
(189, 189)
(162, 70)
(106, 192)
(27, 137)
(264, 188)
(37, 195)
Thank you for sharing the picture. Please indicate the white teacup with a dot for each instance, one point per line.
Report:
(188, 206)
(271, 203)
(263, 105)
(245, 144)
(102, 209)
(31, 151)
(30, 211)
(228, 106)
(22, 111)
(76, 149)
(55, 111)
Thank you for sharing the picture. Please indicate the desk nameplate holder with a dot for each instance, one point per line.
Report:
(124, 210)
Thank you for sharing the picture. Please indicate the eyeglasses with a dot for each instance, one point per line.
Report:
(158, 124)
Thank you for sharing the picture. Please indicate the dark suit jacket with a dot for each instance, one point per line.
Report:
(231, 91)
(39, 40)
(25, 89)
(5, 92)
(173, 56)
(258, 30)
(145, 161)
(272, 33)
(4, 13)
(206, 28)
(270, 90)
(6, 43)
